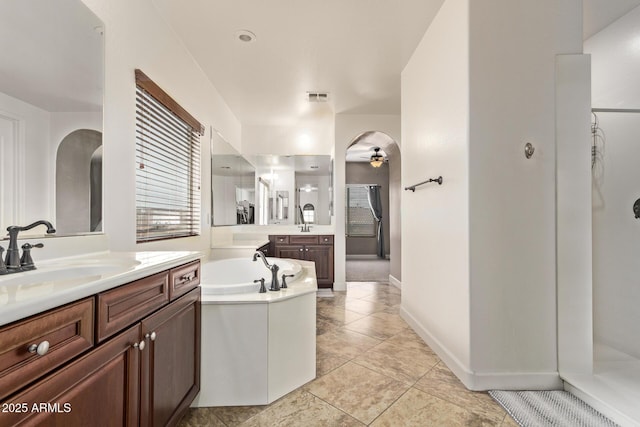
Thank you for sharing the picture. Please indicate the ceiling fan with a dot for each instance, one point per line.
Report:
(377, 159)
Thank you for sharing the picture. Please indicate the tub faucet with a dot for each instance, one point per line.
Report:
(12, 259)
(259, 254)
(275, 285)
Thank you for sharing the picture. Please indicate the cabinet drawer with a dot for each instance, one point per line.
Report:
(325, 240)
(126, 304)
(68, 330)
(184, 278)
(281, 240)
(301, 240)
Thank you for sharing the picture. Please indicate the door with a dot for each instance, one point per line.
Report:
(322, 255)
(290, 251)
(173, 339)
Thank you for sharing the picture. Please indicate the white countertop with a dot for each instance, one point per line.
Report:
(63, 280)
(305, 284)
(241, 244)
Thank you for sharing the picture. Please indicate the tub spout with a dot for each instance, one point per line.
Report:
(259, 254)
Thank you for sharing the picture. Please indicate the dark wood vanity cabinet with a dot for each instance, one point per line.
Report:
(146, 373)
(171, 362)
(316, 248)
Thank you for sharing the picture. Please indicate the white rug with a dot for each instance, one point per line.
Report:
(549, 408)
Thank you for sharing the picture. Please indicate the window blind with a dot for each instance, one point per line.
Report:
(167, 166)
(360, 220)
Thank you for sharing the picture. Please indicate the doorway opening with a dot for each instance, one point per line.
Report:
(372, 217)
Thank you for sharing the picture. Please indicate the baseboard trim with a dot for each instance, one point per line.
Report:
(488, 380)
(353, 257)
(395, 282)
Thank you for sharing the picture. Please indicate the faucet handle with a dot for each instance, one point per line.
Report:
(26, 262)
(262, 290)
(284, 280)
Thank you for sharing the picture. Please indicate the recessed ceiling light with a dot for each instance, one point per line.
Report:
(245, 36)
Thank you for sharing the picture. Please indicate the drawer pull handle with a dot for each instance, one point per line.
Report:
(151, 336)
(139, 345)
(41, 348)
(188, 277)
(307, 250)
(300, 249)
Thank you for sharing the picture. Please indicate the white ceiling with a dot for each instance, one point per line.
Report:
(354, 49)
(52, 54)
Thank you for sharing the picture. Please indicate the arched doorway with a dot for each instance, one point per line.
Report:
(372, 218)
(79, 182)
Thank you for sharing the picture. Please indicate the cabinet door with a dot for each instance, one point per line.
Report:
(101, 387)
(322, 255)
(171, 365)
(290, 251)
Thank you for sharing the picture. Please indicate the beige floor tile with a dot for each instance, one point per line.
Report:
(337, 315)
(408, 338)
(300, 408)
(338, 299)
(384, 298)
(233, 416)
(378, 325)
(358, 391)
(402, 363)
(418, 409)
(441, 382)
(323, 325)
(345, 343)
(200, 417)
(383, 288)
(356, 293)
(327, 362)
(364, 307)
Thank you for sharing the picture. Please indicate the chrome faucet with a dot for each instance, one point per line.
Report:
(12, 260)
(275, 285)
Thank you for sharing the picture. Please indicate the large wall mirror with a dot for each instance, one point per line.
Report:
(268, 189)
(51, 91)
(293, 189)
(232, 185)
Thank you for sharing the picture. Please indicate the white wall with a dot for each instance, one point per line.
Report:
(512, 200)
(435, 219)
(616, 233)
(479, 252)
(313, 137)
(136, 37)
(347, 128)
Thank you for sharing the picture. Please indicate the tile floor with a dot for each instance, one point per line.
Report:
(372, 369)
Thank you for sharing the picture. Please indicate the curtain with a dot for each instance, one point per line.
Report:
(375, 203)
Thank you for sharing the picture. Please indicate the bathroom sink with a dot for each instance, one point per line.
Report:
(64, 271)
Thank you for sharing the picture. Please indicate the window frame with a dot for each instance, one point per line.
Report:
(164, 128)
(373, 223)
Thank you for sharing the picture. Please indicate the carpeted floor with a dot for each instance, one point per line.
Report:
(367, 270)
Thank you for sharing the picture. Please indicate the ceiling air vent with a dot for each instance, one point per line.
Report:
(318, 96)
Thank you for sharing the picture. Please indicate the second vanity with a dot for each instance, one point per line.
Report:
(111, 336)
